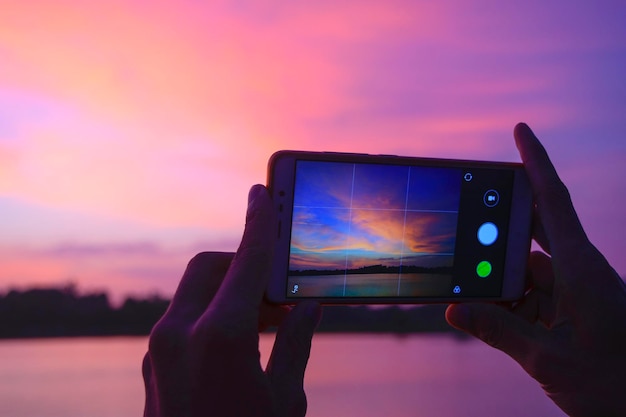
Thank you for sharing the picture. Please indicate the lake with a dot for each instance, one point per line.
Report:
(348, 375)
(370, 285)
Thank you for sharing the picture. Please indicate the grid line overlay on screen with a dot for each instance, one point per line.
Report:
(345, 277)
(406, 206)
(374, 221)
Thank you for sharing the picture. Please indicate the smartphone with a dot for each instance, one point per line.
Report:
(381, 229)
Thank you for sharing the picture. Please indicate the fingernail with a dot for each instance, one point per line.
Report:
(254, 192)
(460, 315)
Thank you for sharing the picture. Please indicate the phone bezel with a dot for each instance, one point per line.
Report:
(280, 182)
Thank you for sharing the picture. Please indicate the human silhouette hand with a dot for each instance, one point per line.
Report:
(203, 357)
(569, 330)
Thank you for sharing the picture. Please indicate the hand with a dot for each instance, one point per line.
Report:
(569, 330)
(203, 357)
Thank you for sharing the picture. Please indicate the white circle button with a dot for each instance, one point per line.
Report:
(487, 233)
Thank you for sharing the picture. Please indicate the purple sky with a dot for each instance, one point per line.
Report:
(131, 131)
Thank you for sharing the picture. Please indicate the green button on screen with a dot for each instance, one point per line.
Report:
(483, 269)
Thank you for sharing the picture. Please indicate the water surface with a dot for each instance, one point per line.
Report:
(348, 375)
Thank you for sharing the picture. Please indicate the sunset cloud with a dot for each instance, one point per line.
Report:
(154, 120)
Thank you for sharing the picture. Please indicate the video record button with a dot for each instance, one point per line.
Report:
(491, 198)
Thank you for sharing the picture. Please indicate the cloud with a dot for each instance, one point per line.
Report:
(129, 249)
(120, 267)
(120, 120)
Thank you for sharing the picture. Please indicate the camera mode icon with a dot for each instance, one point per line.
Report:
(491, 198)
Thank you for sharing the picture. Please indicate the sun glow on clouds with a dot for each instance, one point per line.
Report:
(156, 118)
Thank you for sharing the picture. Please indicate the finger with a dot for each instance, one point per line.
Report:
(539, 351)
(539, 234)
(290, 355)
(560, 222)
(150, 405)
(248, 275)
(146, 371)
(536, 306)
(271, 315)
(199, 284)
(541, 272)
(495, 326)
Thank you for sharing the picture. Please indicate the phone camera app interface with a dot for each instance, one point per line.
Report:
(369, 230)
(374, 230)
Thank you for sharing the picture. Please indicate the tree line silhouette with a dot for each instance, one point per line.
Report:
(57, 312)
(374, 269)
(63, 312)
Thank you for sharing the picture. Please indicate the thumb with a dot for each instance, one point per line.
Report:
(497, 327)
(289, 358)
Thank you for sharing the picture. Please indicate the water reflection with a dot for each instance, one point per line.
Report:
(96, 377)
(348, 375)
(418, 375)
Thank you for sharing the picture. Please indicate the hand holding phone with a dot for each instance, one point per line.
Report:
(356, 228)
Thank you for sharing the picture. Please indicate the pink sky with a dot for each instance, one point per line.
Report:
(130, 131)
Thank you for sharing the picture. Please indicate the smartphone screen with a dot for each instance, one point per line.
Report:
(385, 230)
